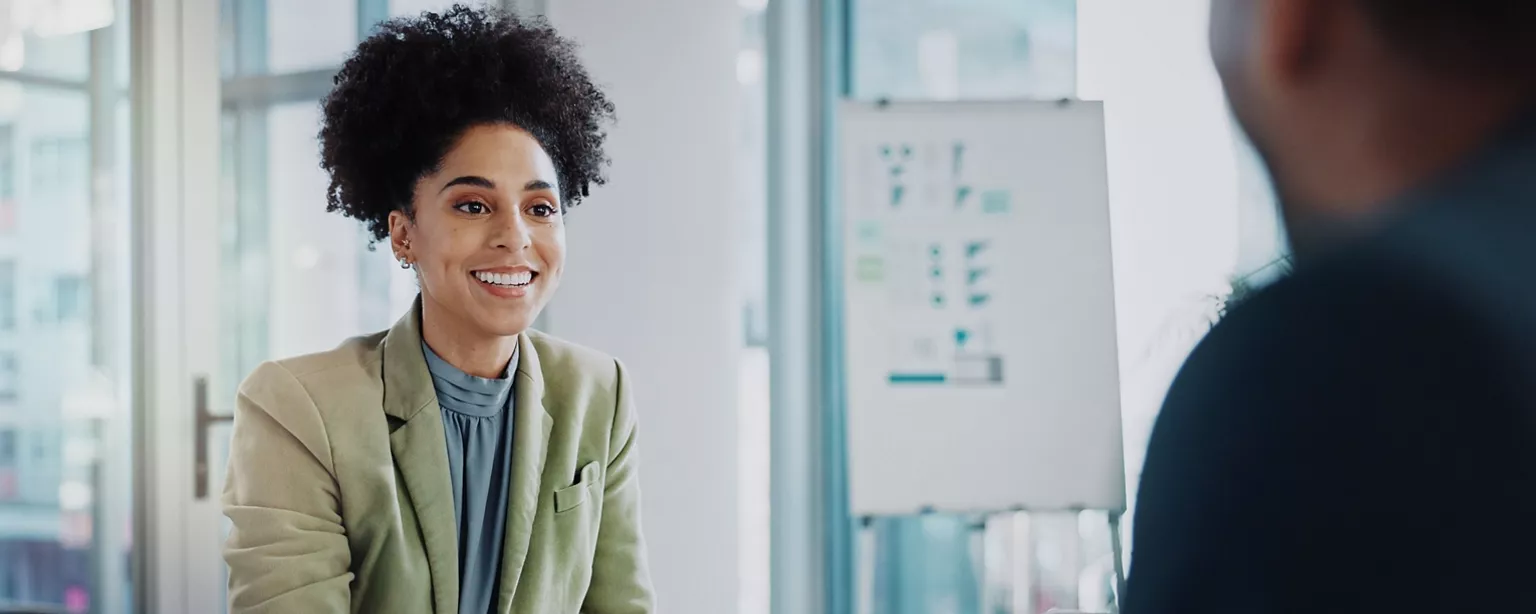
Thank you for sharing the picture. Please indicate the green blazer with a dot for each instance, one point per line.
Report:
(339, 496)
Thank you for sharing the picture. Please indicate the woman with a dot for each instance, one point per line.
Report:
(458, 462)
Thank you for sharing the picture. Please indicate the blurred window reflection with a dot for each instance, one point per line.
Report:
(970, 49)
(294, 278)
(65, 388)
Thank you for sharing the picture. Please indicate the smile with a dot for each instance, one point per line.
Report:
(517, 279)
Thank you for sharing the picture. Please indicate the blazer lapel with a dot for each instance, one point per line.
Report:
(420, 451)
(530, 438)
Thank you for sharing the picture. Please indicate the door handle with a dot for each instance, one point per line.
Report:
(204, 420)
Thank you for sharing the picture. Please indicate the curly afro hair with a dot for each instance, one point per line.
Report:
(416, 85)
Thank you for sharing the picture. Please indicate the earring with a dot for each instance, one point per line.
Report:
(405, 264)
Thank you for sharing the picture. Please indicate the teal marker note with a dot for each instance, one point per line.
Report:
(869, 231)
(996, 201)
(917, 378)
(870, 269)
(960, 195)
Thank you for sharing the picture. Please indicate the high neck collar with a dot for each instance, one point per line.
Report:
(460, 392)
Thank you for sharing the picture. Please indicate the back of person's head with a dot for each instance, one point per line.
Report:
(1468, 38)
(1351, 103)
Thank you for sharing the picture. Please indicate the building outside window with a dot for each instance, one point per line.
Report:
(9, 482)
(65, 504)
(10, 379)
(7, 295)
(7, 180)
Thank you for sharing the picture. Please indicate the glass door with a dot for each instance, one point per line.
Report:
(66, 385)
(276, 275)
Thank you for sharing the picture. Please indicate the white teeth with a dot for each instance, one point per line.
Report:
(505, 279)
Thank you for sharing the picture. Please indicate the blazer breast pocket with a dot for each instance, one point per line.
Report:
(575, 495)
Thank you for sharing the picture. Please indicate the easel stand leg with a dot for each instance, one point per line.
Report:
(1118, 552)
(864, 599)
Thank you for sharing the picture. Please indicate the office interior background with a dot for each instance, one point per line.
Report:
(163, 230)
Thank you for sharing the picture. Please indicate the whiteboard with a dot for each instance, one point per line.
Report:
(979, 324)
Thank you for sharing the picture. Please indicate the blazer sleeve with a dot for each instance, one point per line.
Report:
(621, 579)
(287, 550)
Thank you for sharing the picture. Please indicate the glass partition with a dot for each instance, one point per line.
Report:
(65, 451)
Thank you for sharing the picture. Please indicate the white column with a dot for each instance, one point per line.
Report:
(651, 271)
(175, 110)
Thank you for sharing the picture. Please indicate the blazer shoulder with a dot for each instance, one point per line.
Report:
(355, 362)
(572, 363)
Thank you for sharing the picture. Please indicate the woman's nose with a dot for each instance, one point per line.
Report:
(513, 233)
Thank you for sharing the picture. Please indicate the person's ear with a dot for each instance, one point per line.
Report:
(1294, 39)
(400, 228)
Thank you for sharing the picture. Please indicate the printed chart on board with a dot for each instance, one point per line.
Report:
(979, 323)
(929, 239)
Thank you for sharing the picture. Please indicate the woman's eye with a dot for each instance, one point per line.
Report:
(543, 210)
(472, 207)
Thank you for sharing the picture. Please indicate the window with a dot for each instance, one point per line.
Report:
(415, 7)
(302, 35)
(71, 298)
(56, 45)
(7, 295)
(282, 252)
(10, 377)
(64, 227)
(7, 180)
(973, 49)
(7, 448)
(9, 489)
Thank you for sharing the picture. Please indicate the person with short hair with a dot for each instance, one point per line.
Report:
(459, 462)
(1361, 436)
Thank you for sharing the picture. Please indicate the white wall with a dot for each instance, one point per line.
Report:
(651, 272)
(1173, 188)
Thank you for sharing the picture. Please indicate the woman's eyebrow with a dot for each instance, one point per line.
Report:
(474, 180)
(482, 182)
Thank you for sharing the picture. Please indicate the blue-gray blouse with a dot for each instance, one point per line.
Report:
(477, 419)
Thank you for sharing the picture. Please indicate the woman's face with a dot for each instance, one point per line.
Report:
(487, 238)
